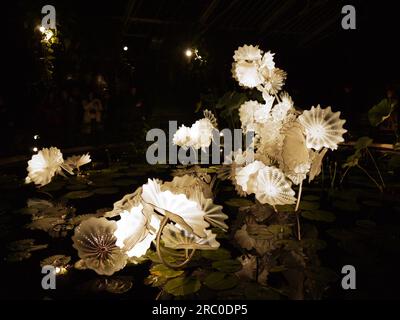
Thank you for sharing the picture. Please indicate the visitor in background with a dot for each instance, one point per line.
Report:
(92, 116)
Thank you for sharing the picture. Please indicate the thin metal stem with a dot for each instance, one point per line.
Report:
(158, 247)
(377, 169)
(297, 208)
(369, 176)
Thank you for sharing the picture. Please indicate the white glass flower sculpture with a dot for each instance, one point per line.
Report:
(323, 128)
(247, 73)
(75, 162)
(44, 166)
(126, 203)
(177, 238)
(295, 155)
(199, 135)
(249, 53)
(96, 244)
(136, 230)
(273, 188)
(213, 212)
(184, 211)
(246, 176)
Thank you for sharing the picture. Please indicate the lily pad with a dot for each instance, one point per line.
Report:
(239, 202)
(215, 255)
(228, 266)
(319, 215)
(308, 205)
(78, 194)
(182, 286)
(311, 197)
(221, 281)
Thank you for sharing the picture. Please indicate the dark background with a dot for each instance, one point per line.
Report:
(322, 59)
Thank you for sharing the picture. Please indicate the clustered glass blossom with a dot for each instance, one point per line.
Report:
(49, 162)
(189, 210)
(288, 144)
(199, 135)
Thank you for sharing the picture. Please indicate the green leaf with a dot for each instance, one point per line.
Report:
(278, 269)
(239, 202)
(215, 255)
(162, 270)
(182, 286)
(381, 111)
(308, 205)
(319, 215)
(362, 143)
(78, 194)
(220, 281)
(228, 266)
(351, 206)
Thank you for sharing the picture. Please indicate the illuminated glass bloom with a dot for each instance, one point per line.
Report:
(280, 110)
(177, 238)
(249, 53)
(182, 136)
(96, 244)
(323, 128)
(295, 155)
(267, 61)
(273, 80)
(213, 212)
(44, 166)
(188, 185)
(246, 176)
(249, 112)
(199, 135)
(273, 188)
(136, 230)
(75, 162)
(177, 204)
(247, 73)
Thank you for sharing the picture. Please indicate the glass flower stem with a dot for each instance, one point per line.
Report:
(344, 174)
(297, 208)
(376, 166)
(369, 176)
(158, 247)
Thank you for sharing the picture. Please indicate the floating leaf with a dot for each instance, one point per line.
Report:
(215, 255)
(239, 202)
(182, 286)
(162, 270)
(58, 260)
(368, 224)
(319, 215)
(308, 205)
(220, 281)
(78, 194)
(346, 205)
(228, 266)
